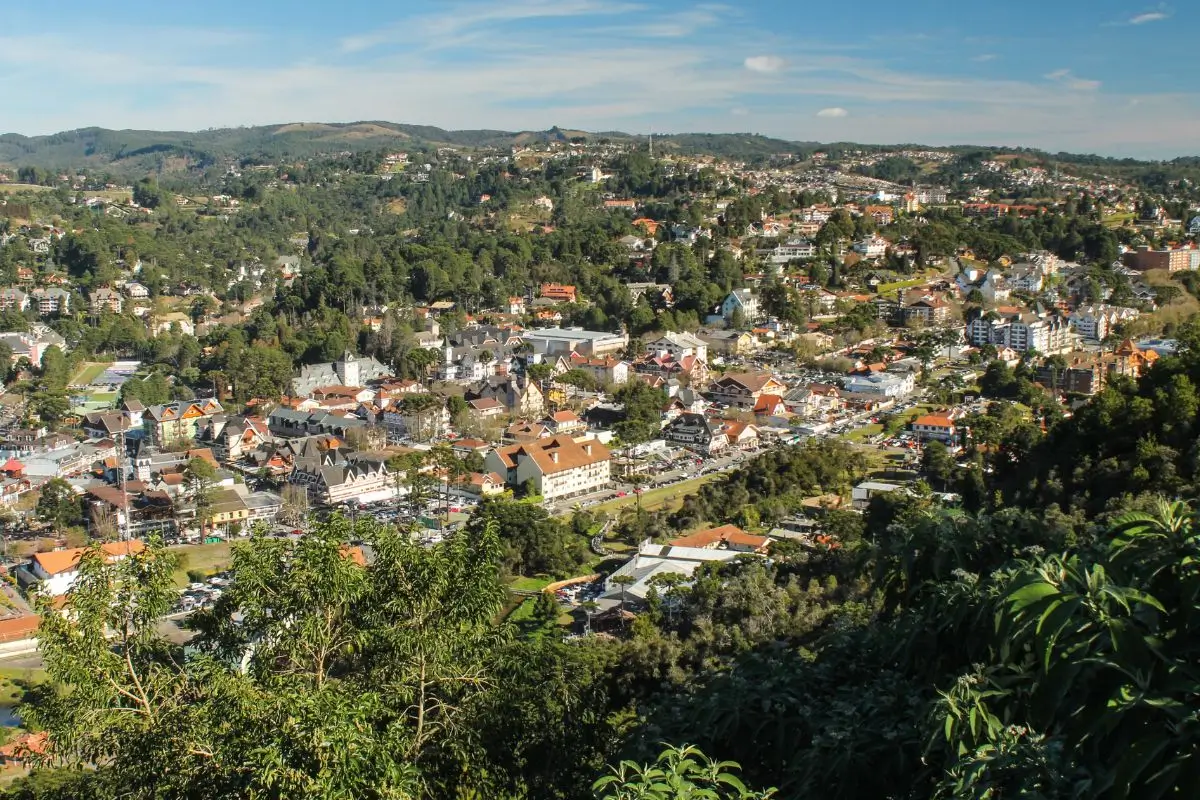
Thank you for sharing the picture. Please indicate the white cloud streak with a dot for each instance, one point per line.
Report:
(766, 64)
(833, 113)
(1149, 16)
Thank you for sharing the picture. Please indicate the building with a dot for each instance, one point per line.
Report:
(1023, 331)
(331, 477)
(1172, 260)
(1096, 323)
(557, 292)
(521, 397)
(742, 389)
(697, 433)
(349, 370)
(872, 247)
(726, 537)
(729, 343)
(172, 423)
(105, 299)
(860, 496)
(57, 571)
(789, 251)
(742, 300)
(815, 400)
(935, 427)
(13, 299)
(679, 346)
(51, 301)
(881, 384)
(564, 341)
(635, 577)
(557, 467)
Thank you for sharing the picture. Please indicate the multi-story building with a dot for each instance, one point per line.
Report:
(331, 477)
(172, 423)
(696, 432)
(1097, 322)
(789, 251)
(1174, 260)
(935, 427)
(51, 301)
(740, 300)
(563, 341)
(12, 298)
(558, 467)
(742, 389)
(881, 384)
(679, 346)
(1022, 331)
(105, 299)
(871, 247)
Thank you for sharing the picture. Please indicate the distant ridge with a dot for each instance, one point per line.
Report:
(138, 152)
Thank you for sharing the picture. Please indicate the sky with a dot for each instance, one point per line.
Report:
(1115, 77)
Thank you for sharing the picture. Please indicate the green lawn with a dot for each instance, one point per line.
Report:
(864, 433)
(88, 372)
(207, 558)
(884, 288)
(655, 499)
(535, 584)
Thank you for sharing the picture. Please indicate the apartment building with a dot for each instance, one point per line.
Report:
(558, 467)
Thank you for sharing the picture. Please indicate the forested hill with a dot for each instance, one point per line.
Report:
(127, 153)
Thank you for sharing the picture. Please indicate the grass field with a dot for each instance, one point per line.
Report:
(13, 188)
(660, 498)
(88, 372)
(207, 558)
(535, 584)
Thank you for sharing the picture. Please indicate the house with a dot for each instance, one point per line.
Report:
(557, 292)
(696, 432)
(137, 291)
(521, 397)
(679, 346)
(566, 422)
(166, 322)
(349, 370)
(288, 423)
(172, 423)
(484, 484)
(105, 299)
(741, 435)
(815, 400)
(729, 343)
(57, 571)
(860, 495)
(742, 389)
(418, 417)
(935, 427)
(21, 749)
(742, 300)
(726, 537)
(105, 424)
(871, 247)
(770, 405)
(486, 407)
(558, 467)
(522, 432)
(605, 369)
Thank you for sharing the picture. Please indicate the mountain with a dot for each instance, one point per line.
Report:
(131, 153)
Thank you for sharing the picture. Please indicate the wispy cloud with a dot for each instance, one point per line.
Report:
(833, 113)
(458, 18)
(1064, 77)
(984, 57)
(764, 63)
(1156, 14)
(1149, 16)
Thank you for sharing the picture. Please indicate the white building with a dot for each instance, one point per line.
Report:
(871, 247)
(660, 559)
(562, 341)
(884, 384)
(57, 571)
(789, 251)
(558, 467)
(743, 300)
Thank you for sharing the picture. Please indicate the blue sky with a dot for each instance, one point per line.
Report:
(1104, 76)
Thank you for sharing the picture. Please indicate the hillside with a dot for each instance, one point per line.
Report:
(129, 153)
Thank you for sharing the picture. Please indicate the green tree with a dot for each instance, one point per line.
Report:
(679, 773)
(59, 505)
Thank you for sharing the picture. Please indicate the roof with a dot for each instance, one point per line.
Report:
(59, 561)
(754, 381)
(934, 421)
(555, 454)
(725, 534)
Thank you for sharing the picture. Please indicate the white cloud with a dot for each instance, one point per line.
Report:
(1149, 16)
(1064, 77)
(764, 63)
(833, 113)
(984, 57)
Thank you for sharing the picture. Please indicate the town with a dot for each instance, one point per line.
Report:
(612, 350)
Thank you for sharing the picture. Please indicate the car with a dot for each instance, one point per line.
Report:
(622, 494)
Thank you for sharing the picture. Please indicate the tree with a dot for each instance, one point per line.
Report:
(337, 680)
(938, 464)
(200, 474)
(59, 505)
(679, 773)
